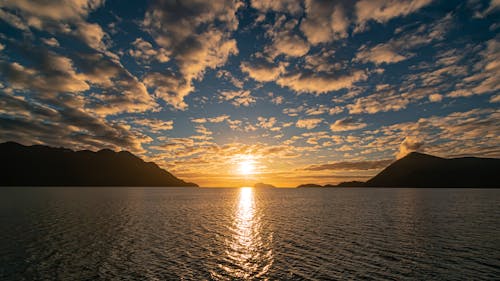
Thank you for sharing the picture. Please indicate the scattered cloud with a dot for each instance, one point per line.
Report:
(347, 124)
(309, 123)
(145, 52)
(351, 166)
(320, 83)
(262, 71)
(238, 98)
(408, 145)
(325, 21)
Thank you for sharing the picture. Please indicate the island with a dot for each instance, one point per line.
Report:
(263, 185)
(40, 165)
(308, 185)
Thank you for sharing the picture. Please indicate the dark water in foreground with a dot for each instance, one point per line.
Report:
(249, 234)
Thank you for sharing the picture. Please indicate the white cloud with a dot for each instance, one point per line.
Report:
(347, 124)
(144, 51)
(384, 10)
(408, 145)
(435, 97)
(186, 29)
(262, 71)
(51, 41)
(320, 83)
(325, 21)
(309, 123)
(238, 98)
(381, 53)
(286, 6)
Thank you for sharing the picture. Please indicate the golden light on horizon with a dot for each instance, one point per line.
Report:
(246, 167)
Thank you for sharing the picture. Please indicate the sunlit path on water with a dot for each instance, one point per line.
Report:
(248, 255)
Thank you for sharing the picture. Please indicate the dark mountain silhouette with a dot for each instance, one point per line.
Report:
(309, 185)
(422, 170)
(40, 165)
(263, 185)
(347, 184)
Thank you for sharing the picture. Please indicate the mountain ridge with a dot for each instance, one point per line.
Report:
(424, 170)
(40, 165)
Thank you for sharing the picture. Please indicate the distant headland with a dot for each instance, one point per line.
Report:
(263, 185)
(423, 170)
(39, 165)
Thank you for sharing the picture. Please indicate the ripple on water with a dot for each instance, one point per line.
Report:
(248, 234)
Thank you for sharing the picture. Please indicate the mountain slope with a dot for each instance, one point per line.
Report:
(39, 165)
(422, 170)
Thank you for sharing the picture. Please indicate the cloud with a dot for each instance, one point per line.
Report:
(322, 61)
(92, 34)
(408, 145)
(200, 129)
(325, 21)
(398, 48)
(227, 75)
(309, 123)
(155, 125)
(169, 87)
(238, 98)
(495, 98)
(66, 17)
(52, 74)
(381, 53)
(379, 102)
(286, 6)
(384, 10)
(262, 71)
(145, 52)
(277, 100)
(486, 76)
(284, 40)
(473, 132)
(58, 122)
(266, 123)
(320, 83)
(435, 97)
(53, 9)
(346, 124)
(351, 166)
(188, 30)
(216, 119)
(50, 42)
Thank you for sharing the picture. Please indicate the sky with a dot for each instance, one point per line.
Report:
(230, 93)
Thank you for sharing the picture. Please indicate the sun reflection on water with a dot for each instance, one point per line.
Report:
(249, 256)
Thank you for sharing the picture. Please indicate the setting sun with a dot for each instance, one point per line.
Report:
(246, 167)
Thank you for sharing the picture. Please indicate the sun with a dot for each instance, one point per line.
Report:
(246, 167)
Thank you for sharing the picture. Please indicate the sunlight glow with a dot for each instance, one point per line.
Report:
(246, 167)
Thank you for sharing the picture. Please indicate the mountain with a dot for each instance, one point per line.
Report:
(347, 184)
(422, 170)
(309, 185)
(40, 165)
(263, 185)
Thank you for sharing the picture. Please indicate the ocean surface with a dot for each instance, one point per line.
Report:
(249, 234)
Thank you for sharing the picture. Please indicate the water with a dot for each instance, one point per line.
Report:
(249, 234)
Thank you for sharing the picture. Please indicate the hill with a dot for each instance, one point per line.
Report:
(40, 165)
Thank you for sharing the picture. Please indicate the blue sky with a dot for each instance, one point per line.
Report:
(304, 91)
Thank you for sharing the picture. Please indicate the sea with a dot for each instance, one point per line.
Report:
(151, 233)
